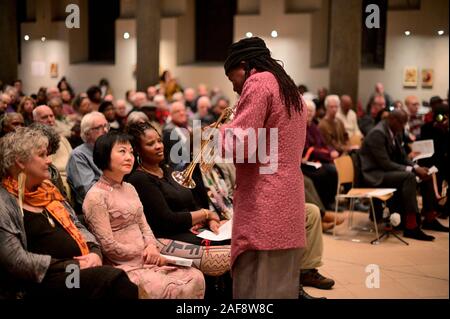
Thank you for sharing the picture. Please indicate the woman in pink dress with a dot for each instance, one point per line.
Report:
(115, 215)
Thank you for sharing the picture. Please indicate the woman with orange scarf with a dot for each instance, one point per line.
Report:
(45, 250)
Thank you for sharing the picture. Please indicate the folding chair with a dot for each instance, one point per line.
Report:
(346, 175)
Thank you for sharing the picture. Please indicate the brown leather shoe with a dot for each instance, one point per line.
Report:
(312, 278)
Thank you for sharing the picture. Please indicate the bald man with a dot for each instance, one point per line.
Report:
(348, 116)
(415, 120)
(384, 163)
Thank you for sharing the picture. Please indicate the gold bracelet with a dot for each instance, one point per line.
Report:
(206, 214)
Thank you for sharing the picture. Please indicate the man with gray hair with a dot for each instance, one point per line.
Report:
(82, 173)
(332, 128)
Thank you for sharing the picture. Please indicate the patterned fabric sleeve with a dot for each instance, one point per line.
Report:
(97, 217)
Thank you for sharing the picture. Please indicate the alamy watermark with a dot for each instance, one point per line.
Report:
(373, 279)
(73, 19)
(373, 19)
(73, 279)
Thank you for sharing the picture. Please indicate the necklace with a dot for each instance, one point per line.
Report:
(150, 172)
(50, 220)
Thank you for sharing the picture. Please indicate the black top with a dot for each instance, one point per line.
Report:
(167, 205)
(44, 239)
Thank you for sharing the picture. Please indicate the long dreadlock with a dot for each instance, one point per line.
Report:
(254, 52)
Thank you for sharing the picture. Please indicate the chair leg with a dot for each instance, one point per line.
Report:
(376, 242)
(335, 217)
(350, 221)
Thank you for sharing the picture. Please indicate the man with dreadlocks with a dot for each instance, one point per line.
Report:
(269, 208)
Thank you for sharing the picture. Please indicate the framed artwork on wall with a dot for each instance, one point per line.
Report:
(53, 70)
(410, 77)
(427, 78)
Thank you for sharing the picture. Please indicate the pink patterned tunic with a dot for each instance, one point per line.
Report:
(269, 209)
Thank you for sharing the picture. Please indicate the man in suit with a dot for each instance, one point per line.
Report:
(384, 163)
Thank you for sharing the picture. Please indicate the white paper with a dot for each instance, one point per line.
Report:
(38, 68)
(381, 192)
(224, 233)
(425, 148)
(317, 165)
(432, 170)
(179, 261)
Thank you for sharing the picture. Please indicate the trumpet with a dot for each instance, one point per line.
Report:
(184, 178)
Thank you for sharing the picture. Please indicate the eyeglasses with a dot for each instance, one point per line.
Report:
(101, 127)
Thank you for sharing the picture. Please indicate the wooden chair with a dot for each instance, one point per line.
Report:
(346, 175)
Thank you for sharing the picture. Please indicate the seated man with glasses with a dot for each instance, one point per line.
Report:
(82, 173)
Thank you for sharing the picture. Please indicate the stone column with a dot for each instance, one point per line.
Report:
(9, 59)
(345, 47)
(148, 33)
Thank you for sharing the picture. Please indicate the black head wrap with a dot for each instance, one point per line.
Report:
(243, 50)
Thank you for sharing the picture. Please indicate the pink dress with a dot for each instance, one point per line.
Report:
(269, 209)
(115, 216)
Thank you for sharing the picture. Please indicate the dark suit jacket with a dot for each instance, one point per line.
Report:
(380, 155)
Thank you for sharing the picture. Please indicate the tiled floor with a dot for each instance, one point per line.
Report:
(420, 270)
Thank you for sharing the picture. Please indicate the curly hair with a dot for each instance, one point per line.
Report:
(19, 145)
(137, 131)
(52, 136)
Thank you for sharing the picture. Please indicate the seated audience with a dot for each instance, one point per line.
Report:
(415, 120)
(203, 111)
(107, 108)
(62, 125)
(10, 122)
(348, 116)
(40, 234)
(67, 97)
(53, 144)
(332, 129)
(176, 137)
(379, 90)
(44, 115)
(320, 104)
(384, 164)
(82, 172)
(438, 131)
(26, 108)
(81, 106)
(367, 121)
(312, 255)
(94, 95)
(316, 150)
(114, 213)
(172, 210)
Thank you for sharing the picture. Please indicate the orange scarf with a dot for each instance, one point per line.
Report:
(48, 197)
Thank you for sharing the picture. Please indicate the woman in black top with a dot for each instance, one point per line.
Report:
(172, 210)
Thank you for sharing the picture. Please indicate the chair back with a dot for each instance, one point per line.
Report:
(356, 140)
(345, 171)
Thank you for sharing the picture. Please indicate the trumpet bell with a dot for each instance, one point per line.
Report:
(182, 180)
